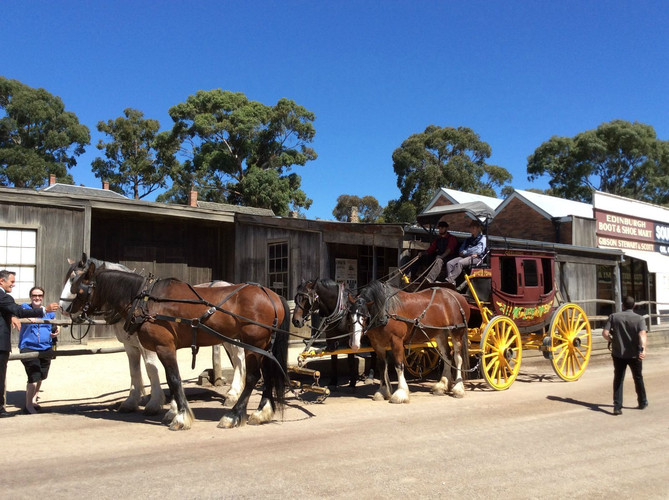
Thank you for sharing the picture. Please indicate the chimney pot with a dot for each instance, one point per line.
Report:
(192, 198)
(354, 215)
(105, 185)
(52, 179)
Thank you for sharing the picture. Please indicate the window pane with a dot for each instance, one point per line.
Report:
(29, 239)
(13, 238)
(28, 256)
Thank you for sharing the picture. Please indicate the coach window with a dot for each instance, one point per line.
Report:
(530, 271)
(18, 253)
(278, 266)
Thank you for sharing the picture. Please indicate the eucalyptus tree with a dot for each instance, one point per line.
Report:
(439, 157)
(241, 151)
(618, 157)
(37, 136)
(136, 162)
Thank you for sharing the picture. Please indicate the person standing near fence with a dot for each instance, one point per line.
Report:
(9, 308)
(626, 331)
(39, 338)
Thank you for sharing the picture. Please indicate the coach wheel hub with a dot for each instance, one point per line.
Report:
(577, 342)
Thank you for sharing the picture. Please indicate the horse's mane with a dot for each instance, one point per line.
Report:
(115, 287)
(382, 295)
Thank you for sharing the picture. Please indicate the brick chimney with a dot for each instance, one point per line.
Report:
(52, 179)
(354, 215)
(105, 185)
(192, 198)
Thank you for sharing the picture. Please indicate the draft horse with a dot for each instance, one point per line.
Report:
(391, 317)
(136, 353)
(168, 314)
(328, 300)
(133, 349)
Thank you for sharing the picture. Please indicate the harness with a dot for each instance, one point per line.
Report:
(138, 313)
(333, 318)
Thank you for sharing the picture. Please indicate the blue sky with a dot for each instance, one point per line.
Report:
(373, 72)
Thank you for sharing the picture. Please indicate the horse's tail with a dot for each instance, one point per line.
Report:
(276, 374)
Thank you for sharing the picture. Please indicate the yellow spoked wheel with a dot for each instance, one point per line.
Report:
(421, 361)
(571, 342)
(501, 352)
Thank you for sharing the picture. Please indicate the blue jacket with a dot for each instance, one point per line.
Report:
(473, 245)
(36, 336)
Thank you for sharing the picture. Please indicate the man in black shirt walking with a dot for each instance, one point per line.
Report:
(626, 331)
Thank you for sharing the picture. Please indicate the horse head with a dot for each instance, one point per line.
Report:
(359, 314)
(305, 302)
(77, 287)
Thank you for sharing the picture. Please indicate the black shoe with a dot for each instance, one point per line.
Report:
(617, 411)
(643, 406)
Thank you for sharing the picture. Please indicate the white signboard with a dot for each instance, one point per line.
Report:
(346, 271)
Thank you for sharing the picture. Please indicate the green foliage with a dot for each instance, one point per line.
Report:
(618, 157)
(37, 136)
(232, 144)
(137, 161)
(369, 209)
(400, 212)
(441, 157)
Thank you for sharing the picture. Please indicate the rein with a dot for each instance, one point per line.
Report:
(137, 314)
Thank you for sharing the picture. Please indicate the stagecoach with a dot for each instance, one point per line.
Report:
(514, 307)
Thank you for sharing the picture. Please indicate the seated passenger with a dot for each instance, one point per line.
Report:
(471, 253)
(441, 249)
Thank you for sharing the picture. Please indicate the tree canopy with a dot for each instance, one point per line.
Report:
(441, 157)
(368, 207)
(137, 162)
(37, 136)
(618, 157)
(240, 151)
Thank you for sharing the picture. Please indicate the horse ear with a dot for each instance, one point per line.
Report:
(90, 271)
(84, 258)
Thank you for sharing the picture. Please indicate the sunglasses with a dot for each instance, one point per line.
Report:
(37, 296)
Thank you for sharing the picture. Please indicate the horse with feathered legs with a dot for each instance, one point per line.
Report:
(390, 318)
(169, 314)
(328, 300)
(136, 353)
(133, 349)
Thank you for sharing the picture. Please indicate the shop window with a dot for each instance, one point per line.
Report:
(278, 266)
(18, 253)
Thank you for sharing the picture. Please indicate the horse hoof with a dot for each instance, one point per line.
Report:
(400, 397)
(378, 397)
(126, 407)
(458, 392)
(151, 410)
(180, 423)
(229, 422)
(438, 391)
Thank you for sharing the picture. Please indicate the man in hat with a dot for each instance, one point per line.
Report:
(471, 253)
(441, 249)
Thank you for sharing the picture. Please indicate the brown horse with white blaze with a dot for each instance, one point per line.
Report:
(391, 318)
(168, 314)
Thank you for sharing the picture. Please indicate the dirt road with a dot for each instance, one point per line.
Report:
(542, 438)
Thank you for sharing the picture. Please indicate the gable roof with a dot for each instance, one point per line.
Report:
(83, 191)
(209, 205)
(550, 207)
(458, 197)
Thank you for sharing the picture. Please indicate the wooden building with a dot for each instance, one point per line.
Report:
(200, 242)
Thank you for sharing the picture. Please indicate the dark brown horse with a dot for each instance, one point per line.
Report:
(390, 318)
(168, 314)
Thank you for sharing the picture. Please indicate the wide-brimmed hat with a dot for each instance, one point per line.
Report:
(442, 223)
